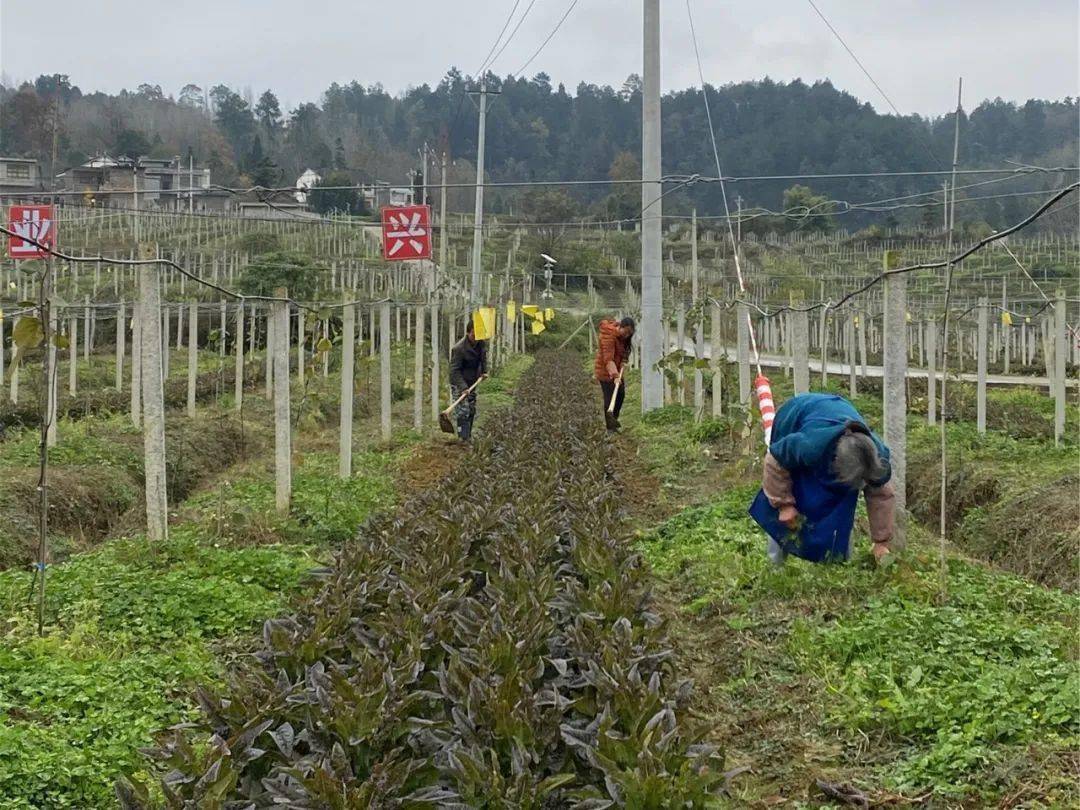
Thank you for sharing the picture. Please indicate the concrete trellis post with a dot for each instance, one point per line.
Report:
(895, 391)
(192, 356)
(153, 401)
(853, 378)
(348, 366)
(222, 329)
(980, 385)
(418, 368)
(823, 342)
(384, 370)
(73, 354)
(271, 323)
(1060, 354)
(862, 344)
(800, 344)
(238, 350)
(931, 372)
(716, 336)
(136, 362)
(278, 348)
(121, 334)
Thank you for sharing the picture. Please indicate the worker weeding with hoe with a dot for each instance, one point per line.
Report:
(612, 351)
(821, 456)
(468, 366)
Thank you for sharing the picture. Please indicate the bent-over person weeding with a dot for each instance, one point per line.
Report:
(822, 455)
(612, 351)
(468, 364)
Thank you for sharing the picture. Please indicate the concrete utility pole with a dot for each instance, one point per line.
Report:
(652, 242)
(444, 232)
(478, 210)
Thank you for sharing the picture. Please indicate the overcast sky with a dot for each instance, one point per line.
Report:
(915, 49)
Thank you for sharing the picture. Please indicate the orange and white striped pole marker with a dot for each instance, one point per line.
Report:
(765, 405)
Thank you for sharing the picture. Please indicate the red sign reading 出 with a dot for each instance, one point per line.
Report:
(34, 223)
(406, 232)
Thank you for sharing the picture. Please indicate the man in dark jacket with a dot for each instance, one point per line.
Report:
(468, 363)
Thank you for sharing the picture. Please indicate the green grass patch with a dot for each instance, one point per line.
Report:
(949, 691)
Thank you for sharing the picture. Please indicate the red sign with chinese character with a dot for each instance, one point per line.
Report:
(406, 231)
(31, 222)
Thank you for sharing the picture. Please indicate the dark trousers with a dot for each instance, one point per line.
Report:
(465, 412)
(611, 418)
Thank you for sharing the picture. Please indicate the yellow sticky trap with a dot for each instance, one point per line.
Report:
(530, 309)
(856, 320)
(908, 314)
(549, 315)
(1027, 320)
(484, 323)
(538, 327)
(511, 311)
(1006, 319)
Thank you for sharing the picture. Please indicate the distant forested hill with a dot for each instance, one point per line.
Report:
(537, 131)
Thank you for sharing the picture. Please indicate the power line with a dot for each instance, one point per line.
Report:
(543, 44)
(495, 44)
(866, 72)
(521, 19)
(674, 178)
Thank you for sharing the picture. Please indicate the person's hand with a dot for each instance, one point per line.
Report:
(881, 551)
(789, 516)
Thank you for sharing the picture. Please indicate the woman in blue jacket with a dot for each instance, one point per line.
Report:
(821, 457)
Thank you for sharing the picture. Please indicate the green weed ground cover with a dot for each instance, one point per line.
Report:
(133, 625)
(967, 700)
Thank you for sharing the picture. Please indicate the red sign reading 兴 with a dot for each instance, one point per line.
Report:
(34, 223)
(406, 232)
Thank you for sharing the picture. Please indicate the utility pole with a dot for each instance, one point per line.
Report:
(444, 231)
(652, 245)
(424, 182)
(478, 211)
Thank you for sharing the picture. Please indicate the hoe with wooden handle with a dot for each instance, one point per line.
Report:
(444, 418)
(614, 393)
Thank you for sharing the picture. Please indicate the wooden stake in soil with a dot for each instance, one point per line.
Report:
(435, 384)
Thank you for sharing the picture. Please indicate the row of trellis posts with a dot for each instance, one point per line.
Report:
(852, 332)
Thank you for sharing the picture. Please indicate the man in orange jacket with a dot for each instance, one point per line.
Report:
(612, 351)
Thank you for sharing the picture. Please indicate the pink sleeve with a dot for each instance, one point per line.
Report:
(776, 482)
(880, 508)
